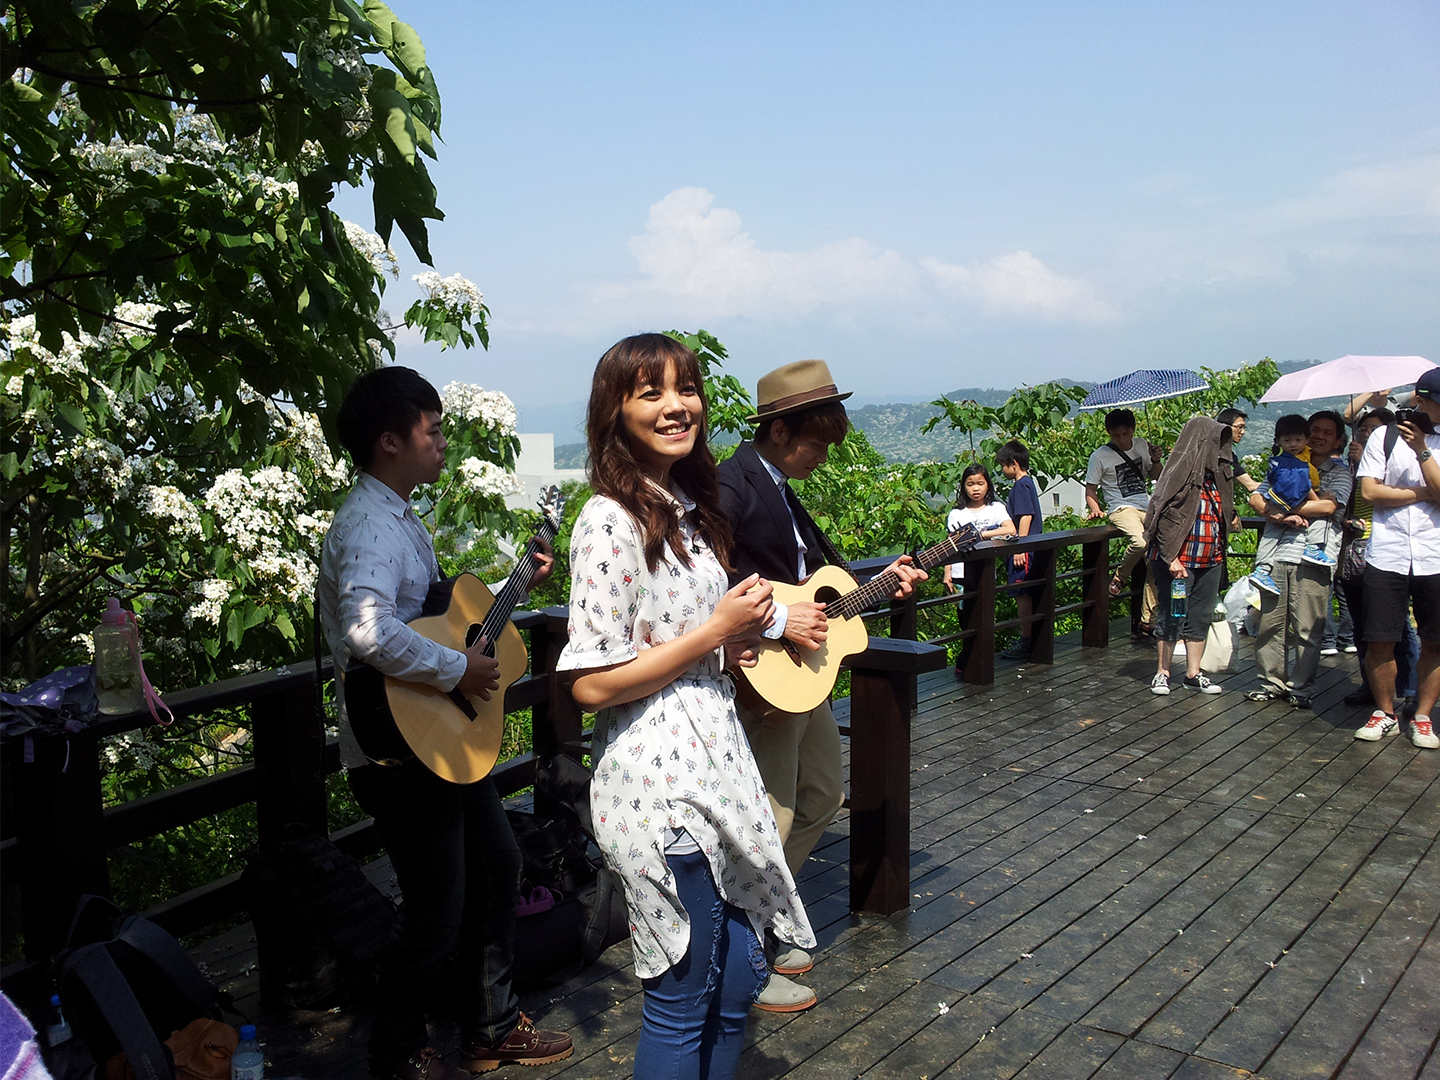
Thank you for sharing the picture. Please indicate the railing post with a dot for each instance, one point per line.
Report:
(60, 831)
(1042, 631)
(904, 618)
(979, 615)
(1095, 582)
(290, 760)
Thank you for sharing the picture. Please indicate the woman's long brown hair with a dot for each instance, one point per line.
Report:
(625, 368)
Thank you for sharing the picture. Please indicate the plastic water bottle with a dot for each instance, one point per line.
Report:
(1177, 598)
(57, 1028)
(117, 661)
(248, 1063)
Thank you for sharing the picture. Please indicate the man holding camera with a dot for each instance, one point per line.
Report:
(1400, 476)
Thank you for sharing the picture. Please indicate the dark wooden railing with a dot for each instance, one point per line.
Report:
(61, 833)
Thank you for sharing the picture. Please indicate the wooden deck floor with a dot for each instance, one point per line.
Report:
(1105, 884)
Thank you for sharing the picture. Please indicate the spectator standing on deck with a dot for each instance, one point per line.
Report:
(1295, 611)
(1400, 478)
(1023, 506)
(974, 505)
(1120, 470)
(1186, 530)
(1351, 578)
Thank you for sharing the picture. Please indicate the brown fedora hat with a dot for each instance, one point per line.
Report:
(793, 387)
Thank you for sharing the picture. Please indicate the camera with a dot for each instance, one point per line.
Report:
(1415, 418)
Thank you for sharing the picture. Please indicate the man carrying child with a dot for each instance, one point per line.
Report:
(1297, 553)
(1121, 470)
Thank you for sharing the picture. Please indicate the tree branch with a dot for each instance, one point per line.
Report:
(105, 83)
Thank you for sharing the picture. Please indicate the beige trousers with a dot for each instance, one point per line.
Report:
(799, 759)
(1132, 521)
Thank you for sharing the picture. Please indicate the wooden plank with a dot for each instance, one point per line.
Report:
(1358, 993)
(1139, 1061)
(1008, 1048)
(1076, 1054)
(1266, 1015)
(1208, 999)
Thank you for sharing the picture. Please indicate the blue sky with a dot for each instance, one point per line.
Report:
(931, 196)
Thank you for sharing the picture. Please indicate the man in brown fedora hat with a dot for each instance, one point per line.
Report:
(799, 416)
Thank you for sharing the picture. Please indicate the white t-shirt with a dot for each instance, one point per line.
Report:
(1403, 539)
(984, 517)
(1104, 470)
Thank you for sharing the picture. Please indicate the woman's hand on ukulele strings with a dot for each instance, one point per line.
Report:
(744, 611)
(741, 654)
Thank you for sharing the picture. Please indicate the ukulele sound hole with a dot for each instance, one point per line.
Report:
(826, 594)
(472, 635)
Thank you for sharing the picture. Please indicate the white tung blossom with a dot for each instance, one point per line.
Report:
(213, 594)
(275, 190)
(457, 293)
(303, 430)
(170, 506)
(467, 401)
(380, 255)
(116, 156)
(487, 478)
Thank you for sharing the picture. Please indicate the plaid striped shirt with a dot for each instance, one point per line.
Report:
(1205, 544)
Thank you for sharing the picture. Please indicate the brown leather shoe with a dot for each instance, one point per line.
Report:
(526, 1045)
(426, 1065)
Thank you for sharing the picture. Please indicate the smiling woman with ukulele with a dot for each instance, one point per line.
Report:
(679, 809)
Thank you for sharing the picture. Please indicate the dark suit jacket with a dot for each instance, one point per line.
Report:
(760, 520)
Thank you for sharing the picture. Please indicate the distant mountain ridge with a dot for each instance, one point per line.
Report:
(894, 430)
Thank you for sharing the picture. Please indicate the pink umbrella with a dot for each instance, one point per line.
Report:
(1348, 375)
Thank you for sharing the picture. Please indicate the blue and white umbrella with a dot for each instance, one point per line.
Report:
(1142, 386)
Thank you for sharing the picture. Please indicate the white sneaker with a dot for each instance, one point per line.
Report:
(1160, 684)
(1378, 726)
(1422, 734)
(1330, 650)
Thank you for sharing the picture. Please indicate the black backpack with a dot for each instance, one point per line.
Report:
(321, 927)
(127, 984)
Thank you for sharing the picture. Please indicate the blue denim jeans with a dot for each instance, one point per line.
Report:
(458, 867)
(693, 1024)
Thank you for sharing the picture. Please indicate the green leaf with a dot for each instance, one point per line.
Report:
(71, 418)
(399, 126)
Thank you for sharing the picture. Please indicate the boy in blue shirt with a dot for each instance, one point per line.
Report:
(1023, 505)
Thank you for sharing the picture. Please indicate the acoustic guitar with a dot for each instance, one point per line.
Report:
(795, 679)
(454, 735)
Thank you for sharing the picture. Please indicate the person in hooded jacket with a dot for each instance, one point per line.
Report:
(1186, 534)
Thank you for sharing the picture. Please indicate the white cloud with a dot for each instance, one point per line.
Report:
(699, 264)
(1020, 284)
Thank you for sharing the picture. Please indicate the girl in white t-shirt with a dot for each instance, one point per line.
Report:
(975, 505)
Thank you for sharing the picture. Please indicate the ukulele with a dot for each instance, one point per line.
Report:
(794, 679)
(454, 735)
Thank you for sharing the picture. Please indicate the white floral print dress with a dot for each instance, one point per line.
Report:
(677, 759)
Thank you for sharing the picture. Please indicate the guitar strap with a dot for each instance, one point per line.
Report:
(831, 552)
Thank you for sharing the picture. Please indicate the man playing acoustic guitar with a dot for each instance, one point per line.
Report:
(454, 855)
(799, 416)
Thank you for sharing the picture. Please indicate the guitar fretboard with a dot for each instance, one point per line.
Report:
(516, 586)
(883, 585)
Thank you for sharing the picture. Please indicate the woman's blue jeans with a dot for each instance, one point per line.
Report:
(695, 1013)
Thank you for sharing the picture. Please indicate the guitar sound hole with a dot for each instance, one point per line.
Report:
(826, 594)
(472, 635)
